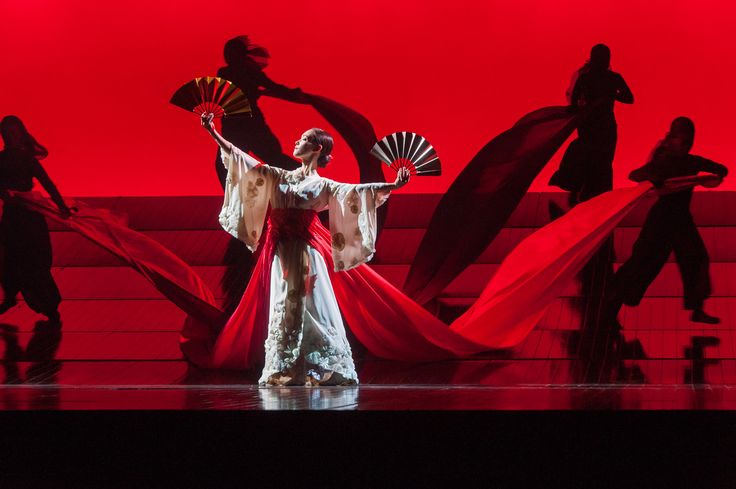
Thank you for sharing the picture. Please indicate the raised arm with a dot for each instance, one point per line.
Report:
(207, 121)
(226, 146)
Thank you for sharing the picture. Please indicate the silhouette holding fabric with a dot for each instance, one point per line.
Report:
(245, 62)
(250, 132)
(24, 234)
(586, 167)
(670, 227)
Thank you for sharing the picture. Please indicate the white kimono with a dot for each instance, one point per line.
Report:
(306, 339)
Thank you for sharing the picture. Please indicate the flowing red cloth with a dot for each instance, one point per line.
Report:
(482, 198)
(386, 321)
(240, 345)
(538, 269)
(393, 326)
(166, 271)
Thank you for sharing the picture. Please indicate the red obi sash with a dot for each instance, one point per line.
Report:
(291, 224)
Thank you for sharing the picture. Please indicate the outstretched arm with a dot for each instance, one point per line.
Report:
(641, 174)
(281, 91)
(402, 178)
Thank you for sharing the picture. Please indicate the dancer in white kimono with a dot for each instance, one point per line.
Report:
(306, 342)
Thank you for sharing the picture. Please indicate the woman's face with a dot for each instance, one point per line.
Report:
(303, 148)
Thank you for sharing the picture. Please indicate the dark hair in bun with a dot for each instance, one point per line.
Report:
(322, 138)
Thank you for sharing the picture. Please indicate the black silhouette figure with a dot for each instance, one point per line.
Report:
(670, 227)
(586, 168)
(24, 235)
(244, 67)
(249, 132)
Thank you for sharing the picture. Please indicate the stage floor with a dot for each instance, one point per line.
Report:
(474, 384)
(367, 398)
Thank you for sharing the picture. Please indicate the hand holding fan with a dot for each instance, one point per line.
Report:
(408, 150)
(210, 94)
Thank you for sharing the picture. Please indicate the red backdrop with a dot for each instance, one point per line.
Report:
(92, 80)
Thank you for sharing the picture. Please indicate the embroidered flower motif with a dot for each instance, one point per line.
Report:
(259, 182)
(251, 192)
(338, 241)
(352, 201)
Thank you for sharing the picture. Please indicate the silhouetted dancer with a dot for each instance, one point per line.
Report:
(586, 168)
(670, 227)
(24, 234)
(249, 132)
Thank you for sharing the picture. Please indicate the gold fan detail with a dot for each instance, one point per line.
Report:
(211, 94)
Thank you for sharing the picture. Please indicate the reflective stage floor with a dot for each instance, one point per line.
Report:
(368, 397)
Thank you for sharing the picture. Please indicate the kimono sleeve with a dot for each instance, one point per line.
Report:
(248, 189)
(353, 224)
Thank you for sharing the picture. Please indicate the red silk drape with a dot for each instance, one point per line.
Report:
(481, 199)
(392, 326)
(385, 320)
(163, 269)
